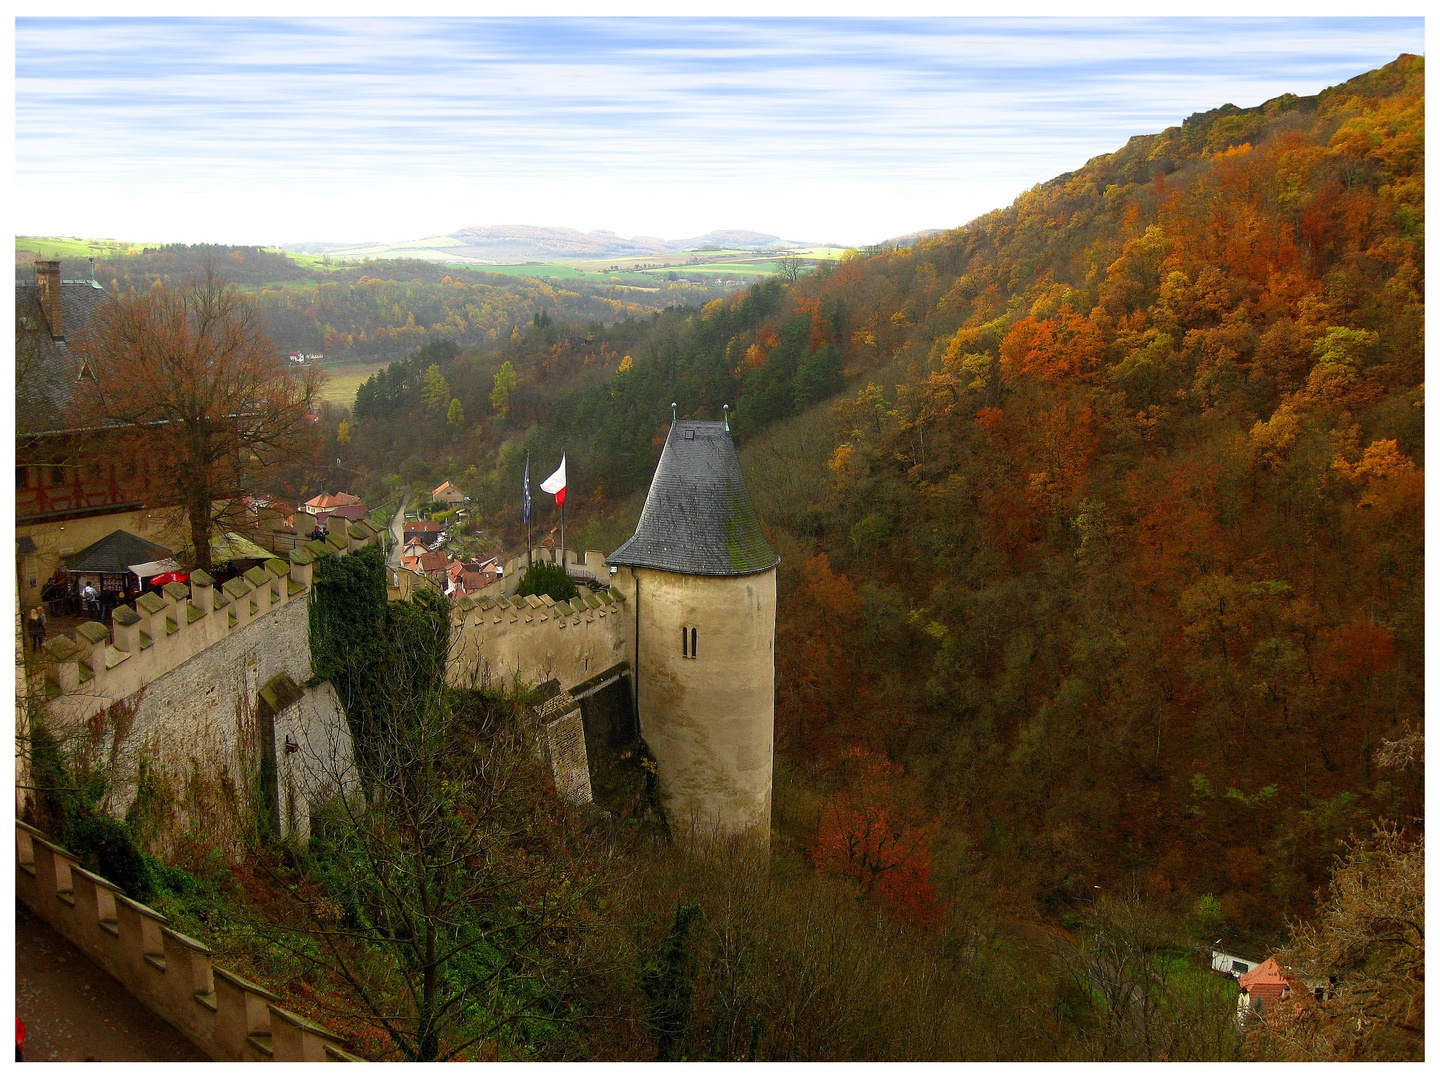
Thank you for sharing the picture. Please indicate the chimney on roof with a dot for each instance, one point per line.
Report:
(47, 273)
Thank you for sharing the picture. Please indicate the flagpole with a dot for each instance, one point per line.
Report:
(562, 518)
(529, 544)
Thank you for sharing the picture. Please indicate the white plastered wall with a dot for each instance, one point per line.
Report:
(709, 719)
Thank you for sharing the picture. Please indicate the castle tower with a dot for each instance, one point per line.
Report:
(704, 637)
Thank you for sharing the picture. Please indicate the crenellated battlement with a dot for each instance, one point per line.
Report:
(497, 636)
(93, 668)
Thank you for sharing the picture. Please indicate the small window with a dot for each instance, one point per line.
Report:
(57, 474)
(22, 477)
(688, 641)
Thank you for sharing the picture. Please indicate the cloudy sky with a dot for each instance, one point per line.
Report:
(849, 130)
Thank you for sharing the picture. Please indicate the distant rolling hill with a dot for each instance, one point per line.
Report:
(502, 244)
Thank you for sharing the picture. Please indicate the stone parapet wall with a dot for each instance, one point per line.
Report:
(497, 638)
(225, 1016)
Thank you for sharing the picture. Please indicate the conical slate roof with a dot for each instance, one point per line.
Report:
(698, 518)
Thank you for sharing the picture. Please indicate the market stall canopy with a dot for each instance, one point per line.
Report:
(159, 566)
(230, 547)
(115, 554)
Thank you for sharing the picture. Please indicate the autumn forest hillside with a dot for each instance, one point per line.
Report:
(1100, 516)
(1126, 508)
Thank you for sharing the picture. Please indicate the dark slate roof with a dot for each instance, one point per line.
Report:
(116, 553)
(46, 369)
(698, 518)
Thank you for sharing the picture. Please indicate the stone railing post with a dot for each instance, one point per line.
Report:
(62, 904)
(26, 878)
(126, 629)
(62, 659)
(94, 915)
(177, 598)
(93, 639)
(238, 590)
(202, 591)
(259, 579)
(153, 612)
(49, 866)
(190, 986)
(241, 1011)
(302, 567)
(141, 949)
(293, 1038)
(279, 571)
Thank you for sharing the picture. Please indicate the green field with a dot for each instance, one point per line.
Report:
(69, 247)
(344, 379)
(640, 270)
(736, 263)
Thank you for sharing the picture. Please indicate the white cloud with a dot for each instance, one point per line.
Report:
(260, 130)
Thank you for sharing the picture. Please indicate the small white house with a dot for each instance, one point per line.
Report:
(1229, 964)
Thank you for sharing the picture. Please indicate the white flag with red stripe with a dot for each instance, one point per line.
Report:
(556, 484)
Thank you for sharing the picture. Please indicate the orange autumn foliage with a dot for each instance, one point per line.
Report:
(1064, 348)
(870, 834)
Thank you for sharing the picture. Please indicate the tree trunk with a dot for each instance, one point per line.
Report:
(199, 514)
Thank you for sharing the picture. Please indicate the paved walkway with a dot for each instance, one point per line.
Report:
(397, 530)
(74, 1011)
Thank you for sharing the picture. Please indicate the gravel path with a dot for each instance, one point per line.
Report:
(74, 1011)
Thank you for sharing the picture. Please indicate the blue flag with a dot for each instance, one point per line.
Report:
(527, 489)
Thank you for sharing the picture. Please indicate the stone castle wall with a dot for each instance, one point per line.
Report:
(204, 688)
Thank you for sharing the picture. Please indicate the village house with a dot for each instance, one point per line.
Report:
(1275, 994)
(1227, 963)
(447, 493)
(322, 503)
(353, 512)
(427, 532)
(431, 564)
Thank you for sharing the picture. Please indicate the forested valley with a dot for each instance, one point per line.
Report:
(381, 309)
(1101, 614)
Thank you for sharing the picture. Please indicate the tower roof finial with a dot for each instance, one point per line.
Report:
(726, 409)
(672, 412)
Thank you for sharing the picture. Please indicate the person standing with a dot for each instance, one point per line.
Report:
(35, 626)
(53, 594)
(91, 598)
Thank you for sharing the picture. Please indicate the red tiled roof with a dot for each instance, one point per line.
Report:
(1276, 993)
(433, 560)
(471, 583)
(325, 502)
